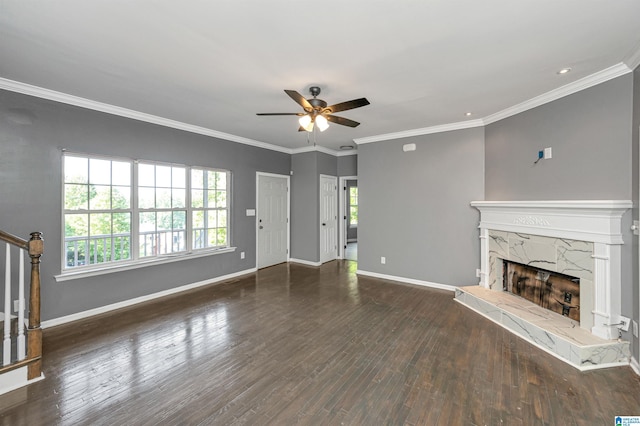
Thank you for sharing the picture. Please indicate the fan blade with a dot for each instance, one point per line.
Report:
(342, 120)
(300, 100)
(299, 114)
(343, 106)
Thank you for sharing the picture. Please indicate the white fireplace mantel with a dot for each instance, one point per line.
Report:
(598, 221)
(595, 221)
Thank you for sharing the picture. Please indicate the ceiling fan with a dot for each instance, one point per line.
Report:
(317, 112)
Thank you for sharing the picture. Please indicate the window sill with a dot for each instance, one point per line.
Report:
(103, 270)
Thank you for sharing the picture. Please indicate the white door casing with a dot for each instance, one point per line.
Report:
(272, 219)
(328, 218)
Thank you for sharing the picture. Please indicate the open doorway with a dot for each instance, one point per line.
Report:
(349, 215)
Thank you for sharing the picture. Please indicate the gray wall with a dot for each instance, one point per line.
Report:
(327, 165)
(590, 133)
(591, 136)
(305, 202)
(414, 207)
(305, 193)
(348, 165)
(30, 194)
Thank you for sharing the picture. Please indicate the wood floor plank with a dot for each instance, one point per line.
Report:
(293, 344)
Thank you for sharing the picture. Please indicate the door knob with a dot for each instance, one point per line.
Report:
(324, 224)
(261, 226)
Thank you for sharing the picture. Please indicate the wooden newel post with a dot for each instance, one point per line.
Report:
(34, 332)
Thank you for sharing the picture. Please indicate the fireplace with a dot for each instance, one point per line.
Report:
(566, 253)
(554, 291)
(582, 239)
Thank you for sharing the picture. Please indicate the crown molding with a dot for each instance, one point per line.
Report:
(319, 148)
(622, 68)
(52, 95)
(312, 148)
(566, 90)
(633, 58)
(346, 153)
(422, 131)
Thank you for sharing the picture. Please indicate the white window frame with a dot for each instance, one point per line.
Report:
(349, 205)
(207, 208)
(136, 261)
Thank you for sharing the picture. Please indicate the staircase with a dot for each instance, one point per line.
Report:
(21, 339)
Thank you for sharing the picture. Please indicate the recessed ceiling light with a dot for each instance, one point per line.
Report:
(564, 71)
(346, 147)
(468, 114)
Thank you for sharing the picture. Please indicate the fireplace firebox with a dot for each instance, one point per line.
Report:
(551, 290)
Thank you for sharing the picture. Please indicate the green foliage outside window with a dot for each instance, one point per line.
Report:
(99, 200)
(353, 205)
(97, 197)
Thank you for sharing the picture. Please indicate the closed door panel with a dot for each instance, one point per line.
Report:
(328, 218)
(273, 222)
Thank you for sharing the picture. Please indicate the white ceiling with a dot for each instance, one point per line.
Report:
(215, 64)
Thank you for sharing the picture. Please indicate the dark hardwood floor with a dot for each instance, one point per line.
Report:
(299, 345)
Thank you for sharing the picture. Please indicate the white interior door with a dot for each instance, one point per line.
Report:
(328, 218)
(272, 219)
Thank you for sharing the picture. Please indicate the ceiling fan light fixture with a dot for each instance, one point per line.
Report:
(306, 122)
(322, 123)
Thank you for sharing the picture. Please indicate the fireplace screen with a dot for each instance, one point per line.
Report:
(557, 292)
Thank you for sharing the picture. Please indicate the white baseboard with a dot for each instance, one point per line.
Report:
(635, 365)
(141, 299)
(16, 379)
(407, 280)
(305, 262)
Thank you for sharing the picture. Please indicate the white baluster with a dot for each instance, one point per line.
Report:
(22, 345)
(6, 344)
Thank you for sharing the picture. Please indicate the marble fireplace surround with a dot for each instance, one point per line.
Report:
(578, 238)
(569, 257)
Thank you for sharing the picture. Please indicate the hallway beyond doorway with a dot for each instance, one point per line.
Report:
(351, 252)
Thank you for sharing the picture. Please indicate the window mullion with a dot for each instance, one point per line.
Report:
(188, 220)
(135, 218)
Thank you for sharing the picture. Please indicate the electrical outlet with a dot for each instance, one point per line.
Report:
(547, 153)
(16, 305)
(624, 323)
(241, 255)
(383, 260)
(478, 273)
(635, 328)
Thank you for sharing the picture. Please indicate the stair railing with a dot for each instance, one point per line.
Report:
(29, 349)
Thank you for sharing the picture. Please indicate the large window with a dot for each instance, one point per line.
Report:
(118, 210)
